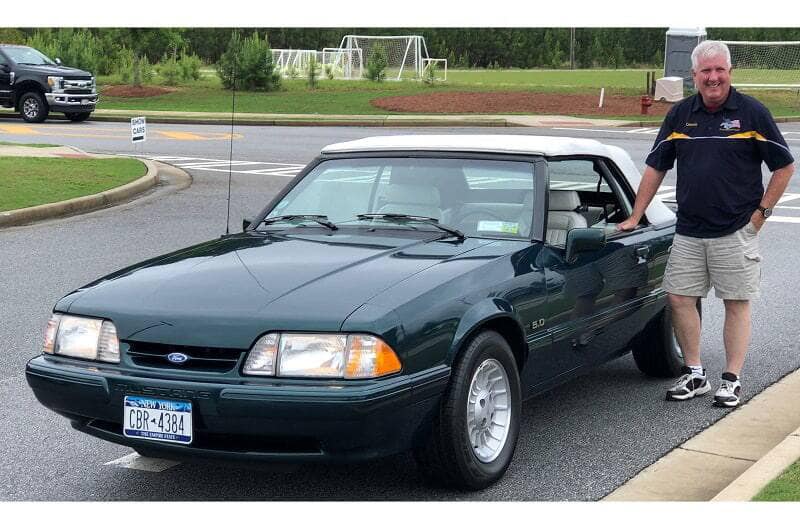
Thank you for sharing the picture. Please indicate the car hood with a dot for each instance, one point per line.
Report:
(62, 71)
(227, 292)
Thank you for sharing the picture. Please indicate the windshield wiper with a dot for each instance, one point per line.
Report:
(319, 219)
(413, 218)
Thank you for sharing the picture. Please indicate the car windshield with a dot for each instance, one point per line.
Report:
(27, 56)
(480, 198)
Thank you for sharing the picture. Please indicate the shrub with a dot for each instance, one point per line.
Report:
(430, 74)
(189, 66)
(312, 73)
(76, 48)
(169, 70)
(376, 65)
(248, 63)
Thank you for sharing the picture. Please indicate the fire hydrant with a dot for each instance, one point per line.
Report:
(647, 101)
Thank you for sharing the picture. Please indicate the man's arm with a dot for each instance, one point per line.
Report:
(647, 189)
(775, 188)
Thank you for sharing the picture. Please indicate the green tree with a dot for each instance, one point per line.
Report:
(248, 61)
(376, 64)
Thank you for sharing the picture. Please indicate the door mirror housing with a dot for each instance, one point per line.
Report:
(5, 68)
(246, 223)
(581, 240)
(58, 61)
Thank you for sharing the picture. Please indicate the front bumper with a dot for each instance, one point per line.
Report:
(63, 102)
(264, 420)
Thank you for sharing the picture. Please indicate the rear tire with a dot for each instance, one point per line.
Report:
(33, 108)
(476, 428)
(77, 117)
(656, 350)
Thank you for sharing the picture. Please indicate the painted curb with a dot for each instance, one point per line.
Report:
(769, 467)
(82, 204)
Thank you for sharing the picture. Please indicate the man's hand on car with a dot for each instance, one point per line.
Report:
(628, 224)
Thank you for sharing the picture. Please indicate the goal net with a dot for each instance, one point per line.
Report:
(765, 64)
(293, 63)
(406, 55)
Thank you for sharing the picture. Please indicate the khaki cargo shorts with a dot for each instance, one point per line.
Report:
(731, 264)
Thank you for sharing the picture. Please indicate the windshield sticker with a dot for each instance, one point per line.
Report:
(499, 226)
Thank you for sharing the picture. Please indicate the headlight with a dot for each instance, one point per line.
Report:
(321, 356)
(56, 83)
(87, 338)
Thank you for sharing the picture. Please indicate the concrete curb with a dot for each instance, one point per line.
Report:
(82, 204)
(769, 467)
(750, 445)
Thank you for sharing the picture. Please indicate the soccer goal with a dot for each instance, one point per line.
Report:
(406, 55)
(293, 63)
(765, 64)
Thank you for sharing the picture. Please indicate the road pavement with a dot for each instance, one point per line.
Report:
(577, 442)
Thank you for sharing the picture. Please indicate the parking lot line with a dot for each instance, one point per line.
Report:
(137, 462)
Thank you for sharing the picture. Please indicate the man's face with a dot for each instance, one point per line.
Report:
(712, 79)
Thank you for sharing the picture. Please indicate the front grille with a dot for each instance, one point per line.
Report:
(215, 359)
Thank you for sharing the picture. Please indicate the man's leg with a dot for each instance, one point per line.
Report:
(686, 322)
(736, 334)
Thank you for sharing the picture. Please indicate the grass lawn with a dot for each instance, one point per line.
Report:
(353, 97)
(785, 487)
(33, 181)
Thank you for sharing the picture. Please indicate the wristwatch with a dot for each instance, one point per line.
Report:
(765, 212)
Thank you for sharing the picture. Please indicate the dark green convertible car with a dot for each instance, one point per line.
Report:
(401, 293)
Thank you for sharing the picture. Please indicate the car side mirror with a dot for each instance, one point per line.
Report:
(58, 61)
(246, 224)
(6, 68)
(581, 240)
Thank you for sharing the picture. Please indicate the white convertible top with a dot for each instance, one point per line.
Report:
(499, 143)
(656, 212)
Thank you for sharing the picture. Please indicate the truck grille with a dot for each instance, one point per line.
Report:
(215, 359)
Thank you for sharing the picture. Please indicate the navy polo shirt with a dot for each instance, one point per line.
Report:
(719, 161)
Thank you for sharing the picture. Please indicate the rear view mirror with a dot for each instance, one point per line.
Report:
(246, 224)
(58, 61)
(584, 240)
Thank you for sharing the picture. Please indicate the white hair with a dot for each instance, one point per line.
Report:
(710, 48)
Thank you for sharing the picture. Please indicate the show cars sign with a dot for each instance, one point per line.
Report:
(138, 129)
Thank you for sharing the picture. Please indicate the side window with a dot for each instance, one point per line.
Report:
(583, 193)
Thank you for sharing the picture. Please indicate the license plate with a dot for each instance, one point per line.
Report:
(84, 102)
(158, 419)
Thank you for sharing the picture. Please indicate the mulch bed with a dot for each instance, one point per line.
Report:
(518, 102)
(136, 91)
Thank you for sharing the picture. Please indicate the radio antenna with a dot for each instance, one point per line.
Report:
(230, 156)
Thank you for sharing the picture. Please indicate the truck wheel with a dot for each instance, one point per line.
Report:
(77, 117)
(33, 108)
(476, 428)
(656, 350)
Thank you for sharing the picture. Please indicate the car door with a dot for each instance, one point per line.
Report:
(596, 297)
(5, 79)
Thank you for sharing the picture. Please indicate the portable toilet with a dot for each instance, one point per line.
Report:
(678, 52)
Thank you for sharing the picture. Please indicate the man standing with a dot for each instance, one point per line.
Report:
(719, 138)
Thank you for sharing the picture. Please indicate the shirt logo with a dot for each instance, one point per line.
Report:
(691, 124)
(730, 124)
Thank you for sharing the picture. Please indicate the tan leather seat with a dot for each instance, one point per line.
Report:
(409, 199)
(562, 216)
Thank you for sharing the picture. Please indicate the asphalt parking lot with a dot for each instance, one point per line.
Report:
(578, 442)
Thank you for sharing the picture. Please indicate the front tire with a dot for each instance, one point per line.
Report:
(656, 350)
(476, 428)
(77, 117)
(33, 108)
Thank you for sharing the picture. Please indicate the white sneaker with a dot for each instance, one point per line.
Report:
(689, 385)
(727, 395)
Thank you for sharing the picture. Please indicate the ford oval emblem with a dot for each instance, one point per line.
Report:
(177, 358)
